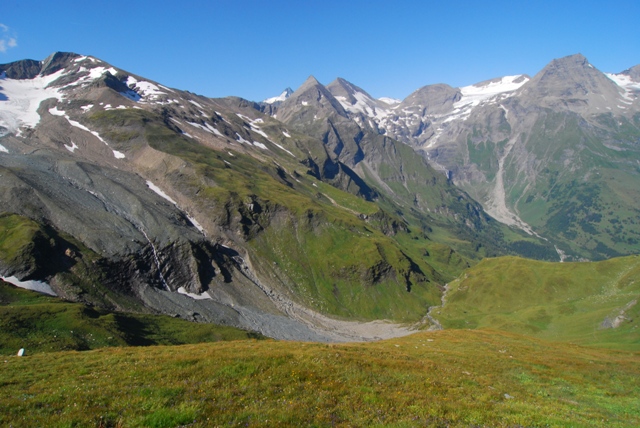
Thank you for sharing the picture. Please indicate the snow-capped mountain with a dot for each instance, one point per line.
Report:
(142, 197)
(508, 141)
(280, 98)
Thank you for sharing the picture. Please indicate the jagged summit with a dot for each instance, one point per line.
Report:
(310, 101)
(29, 69)
(356, 100)
(280, 98)
(344, 88)
(309, 83)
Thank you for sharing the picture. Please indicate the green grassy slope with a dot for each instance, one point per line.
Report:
(324, 247)
(559, 301)
(39, 251)
(447, 378)
(41, 323)
(585, 191)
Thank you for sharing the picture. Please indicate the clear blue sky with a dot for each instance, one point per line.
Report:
(255, 49)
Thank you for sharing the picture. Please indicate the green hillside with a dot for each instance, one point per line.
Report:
(591, 303)
(454, 378)
(41, 323)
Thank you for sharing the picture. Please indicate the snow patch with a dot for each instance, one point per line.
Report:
(207, 128)
(259, 144)
(480, 94)
(203, 296)
(476, 94)
(3, 149)
(364, 104)
(160, 193)
(195, 223)
(55, 112)
(163, 195)
(39, 286)
(72, 148)
(214, 130)
(286, 134)
(627, 84)
(624, 81)
(282, 148)
(241, 140)
(147, 90)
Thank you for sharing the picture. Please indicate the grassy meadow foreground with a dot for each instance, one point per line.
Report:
(444, 378)
(554, 344)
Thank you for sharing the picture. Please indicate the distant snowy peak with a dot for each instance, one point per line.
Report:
(390, 101)
(625, 81)
(356, 100)
(479, 93)
(25, 84)
(280, 98)
(629, 82)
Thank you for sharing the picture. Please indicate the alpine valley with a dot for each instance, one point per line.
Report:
(317, 215)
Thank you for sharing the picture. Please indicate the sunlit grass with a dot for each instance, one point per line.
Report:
(447, 378)
(557, 301)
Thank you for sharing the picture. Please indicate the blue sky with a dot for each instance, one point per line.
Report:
(255, 49)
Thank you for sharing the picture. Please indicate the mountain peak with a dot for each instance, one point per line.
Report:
(567, 64)
(633, 73)
(28, 68)
(310, 82)
(344, 88)
(437, 98)
(57, 61)
(312, 97)
(570, 78)
(280, 98)
(356, 100)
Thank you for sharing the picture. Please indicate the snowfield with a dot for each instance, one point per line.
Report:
(20, 99)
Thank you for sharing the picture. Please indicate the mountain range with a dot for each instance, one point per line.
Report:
(554, 154)
(309, 211)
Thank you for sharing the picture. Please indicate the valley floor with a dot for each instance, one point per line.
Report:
(441, 378)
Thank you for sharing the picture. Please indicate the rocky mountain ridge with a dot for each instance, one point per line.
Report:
(155, 199)
(510, 141)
